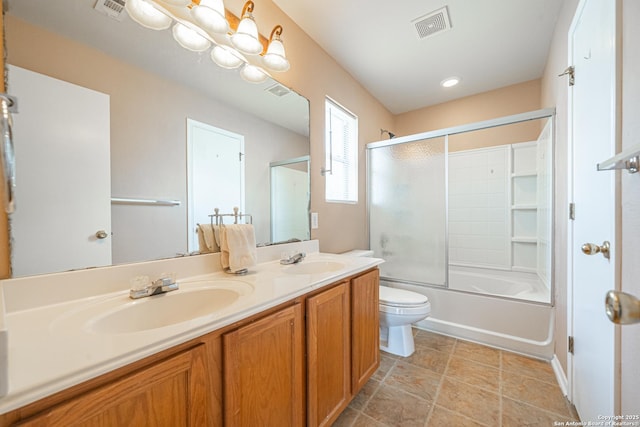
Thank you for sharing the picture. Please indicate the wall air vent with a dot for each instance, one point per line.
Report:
(432, 23)
(112, 8)
(278, 90)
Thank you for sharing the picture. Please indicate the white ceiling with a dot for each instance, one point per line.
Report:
(492, 44)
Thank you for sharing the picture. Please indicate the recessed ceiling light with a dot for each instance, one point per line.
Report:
(450, 81)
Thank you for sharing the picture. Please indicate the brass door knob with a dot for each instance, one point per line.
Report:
(592, 249)
(101, 234)
(622, 308)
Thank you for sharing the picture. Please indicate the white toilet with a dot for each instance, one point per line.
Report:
(399, 308)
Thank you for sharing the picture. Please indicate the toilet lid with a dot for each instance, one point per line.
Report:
(401, 297)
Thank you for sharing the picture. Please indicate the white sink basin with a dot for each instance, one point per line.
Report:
(165, 309)
(314, 267)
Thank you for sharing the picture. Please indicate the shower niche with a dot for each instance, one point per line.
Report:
(467, 208)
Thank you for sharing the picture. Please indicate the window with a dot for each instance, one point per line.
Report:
(341, 153)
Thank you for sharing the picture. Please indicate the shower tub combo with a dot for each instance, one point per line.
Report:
(463, 216)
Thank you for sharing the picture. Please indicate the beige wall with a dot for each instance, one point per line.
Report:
(518, 98)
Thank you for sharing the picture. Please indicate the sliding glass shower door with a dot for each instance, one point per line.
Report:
(408, 208)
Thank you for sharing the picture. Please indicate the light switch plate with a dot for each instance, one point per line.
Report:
(314, 220)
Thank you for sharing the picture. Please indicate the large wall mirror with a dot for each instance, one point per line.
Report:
(149, 89)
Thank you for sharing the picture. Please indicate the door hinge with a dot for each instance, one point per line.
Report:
(571, 71)
(572, 211)
(240, 154)
(570, 344)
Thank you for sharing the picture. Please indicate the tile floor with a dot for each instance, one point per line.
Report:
(451, 382)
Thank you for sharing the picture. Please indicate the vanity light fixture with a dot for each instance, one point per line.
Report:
(275, 57)
(189, 39)
(245, 39)
(210, 15)
(146, 15)
(200, 24)
(450, 81)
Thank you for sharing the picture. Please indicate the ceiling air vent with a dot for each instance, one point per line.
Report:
(278, 90)
(432, 23)
(112, 8)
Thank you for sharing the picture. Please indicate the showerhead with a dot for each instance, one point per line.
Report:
(391, 134)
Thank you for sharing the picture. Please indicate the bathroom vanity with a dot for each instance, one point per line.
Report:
(293, 348)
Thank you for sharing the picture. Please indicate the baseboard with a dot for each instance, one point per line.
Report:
(561, 377)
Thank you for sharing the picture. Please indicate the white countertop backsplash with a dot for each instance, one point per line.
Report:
(46, 346)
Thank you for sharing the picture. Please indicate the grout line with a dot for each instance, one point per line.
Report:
(442, 377)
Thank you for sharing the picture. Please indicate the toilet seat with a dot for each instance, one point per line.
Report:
(401, 298)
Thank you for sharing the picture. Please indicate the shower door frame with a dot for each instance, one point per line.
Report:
(545, 113)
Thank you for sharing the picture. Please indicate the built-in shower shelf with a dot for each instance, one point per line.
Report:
(524, 207)
(524, 174)
(524, 239)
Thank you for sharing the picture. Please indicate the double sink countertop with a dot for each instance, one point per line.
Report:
(76, 334)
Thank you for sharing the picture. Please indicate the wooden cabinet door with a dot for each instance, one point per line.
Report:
(328, 355)
(365, 328)
(170, 393)
(264, 372)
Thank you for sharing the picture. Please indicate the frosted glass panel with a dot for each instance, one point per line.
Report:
(407, 210)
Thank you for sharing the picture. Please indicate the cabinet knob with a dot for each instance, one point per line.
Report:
(101, 234)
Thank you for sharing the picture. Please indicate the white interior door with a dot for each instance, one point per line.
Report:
(63, 179)
(215, 174)
(290, 202)
(593, 105)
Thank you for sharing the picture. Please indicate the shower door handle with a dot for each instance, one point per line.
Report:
(592, 249)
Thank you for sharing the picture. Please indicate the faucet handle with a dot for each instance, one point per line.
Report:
(165, 279)
(139, 283)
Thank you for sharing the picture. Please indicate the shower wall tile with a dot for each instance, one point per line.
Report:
(479, 229)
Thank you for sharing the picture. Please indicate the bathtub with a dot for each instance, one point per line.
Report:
(510, 284)
(508, 323)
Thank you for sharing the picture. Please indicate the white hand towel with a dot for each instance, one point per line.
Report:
(238, 247)
(206, 238)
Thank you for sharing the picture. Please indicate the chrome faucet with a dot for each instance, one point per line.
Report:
(143, 288)
(293, 259)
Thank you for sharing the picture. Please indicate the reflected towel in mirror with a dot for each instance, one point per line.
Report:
(208, 240)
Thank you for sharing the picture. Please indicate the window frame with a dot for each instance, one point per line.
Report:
(347, 157)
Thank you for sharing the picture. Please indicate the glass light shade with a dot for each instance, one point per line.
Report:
(245, 39)
(178, 2)
(253, 74)
(210, 15)
(227, 57)
(146, 15)
(275, 59)
(190, 39)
